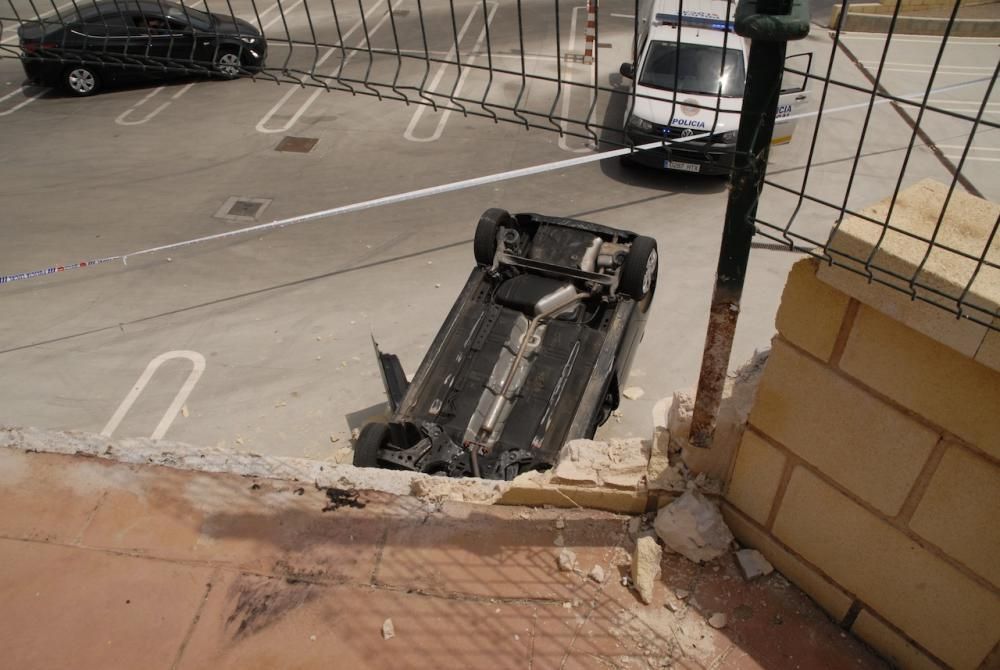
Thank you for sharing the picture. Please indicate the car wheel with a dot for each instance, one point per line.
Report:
(81, 80)
(638, 277)
(228, 64)
(369, 441)
(484, 246)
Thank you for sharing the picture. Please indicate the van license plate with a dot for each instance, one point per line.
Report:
(678, 165)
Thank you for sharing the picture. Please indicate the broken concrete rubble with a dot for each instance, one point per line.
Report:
(567, 561)
(673, 458)
(753, 564)
(616, 463)
(693, 527)
(646, 566)
(388, 630)
(597, 574)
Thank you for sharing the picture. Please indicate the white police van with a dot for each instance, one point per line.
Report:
(688, 82)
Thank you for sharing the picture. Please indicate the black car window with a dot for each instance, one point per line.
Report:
(151, 22)
(113, 20)
(188, 15)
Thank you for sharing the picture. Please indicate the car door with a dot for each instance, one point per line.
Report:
(100, 39)
(793, 96)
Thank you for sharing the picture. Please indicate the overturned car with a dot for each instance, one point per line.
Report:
(532, 354)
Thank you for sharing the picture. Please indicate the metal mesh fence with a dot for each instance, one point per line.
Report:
(865, 115)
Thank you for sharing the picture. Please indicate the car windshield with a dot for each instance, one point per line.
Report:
(197, 19)
(694, 68)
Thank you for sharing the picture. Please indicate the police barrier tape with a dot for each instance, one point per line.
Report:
(444, 188)
(356, 207)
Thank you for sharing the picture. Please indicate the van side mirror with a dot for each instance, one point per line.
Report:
(627, 70)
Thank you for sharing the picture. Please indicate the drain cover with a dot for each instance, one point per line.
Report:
(299, 145)
(238, 208)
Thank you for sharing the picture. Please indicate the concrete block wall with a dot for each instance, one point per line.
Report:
(869, 474)
(876, 17)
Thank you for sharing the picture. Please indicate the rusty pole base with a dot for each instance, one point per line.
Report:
(715, 366)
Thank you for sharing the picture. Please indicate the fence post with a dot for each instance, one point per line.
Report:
(769, 24)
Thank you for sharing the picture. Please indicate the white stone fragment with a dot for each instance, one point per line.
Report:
(633, 392)
(693, 527)
(597, 574)
(718, 620)
(388, 630)
(753, 564)
(646, 566)
(567, 561)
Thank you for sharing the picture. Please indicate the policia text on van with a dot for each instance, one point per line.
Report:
(688, 83)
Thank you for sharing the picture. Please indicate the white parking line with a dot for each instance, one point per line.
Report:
(121, 117)
(197, 368)
(571, 47)
(31, 17)
(409, 134)
(28, 100)
(964, 41)
(262, 124)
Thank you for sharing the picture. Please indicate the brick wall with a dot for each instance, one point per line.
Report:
(869, 473)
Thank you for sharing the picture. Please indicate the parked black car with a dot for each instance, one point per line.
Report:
(96, 43)
(532, 354)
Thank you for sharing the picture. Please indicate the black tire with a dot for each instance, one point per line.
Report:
(228, 64)
(638, 277)
(81, 80)
(369, 441)
(484, 246)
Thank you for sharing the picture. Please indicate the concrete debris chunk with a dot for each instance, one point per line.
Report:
(646, 566)
(567, 561)
(718, 620)
(560, 523)
(753, 564)
(683, 594)
(693, 527)
(618, 463)
(597, 574)
(633, 392)
(388, 630)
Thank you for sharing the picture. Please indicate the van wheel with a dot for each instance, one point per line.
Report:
(484, 246)
(638, 277)
(81, 80)
(369, 441)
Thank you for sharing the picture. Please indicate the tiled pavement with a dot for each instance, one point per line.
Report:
(107, 565)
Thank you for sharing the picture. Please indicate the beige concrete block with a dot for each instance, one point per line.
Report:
(829, 597)
(905, 251)
(864, 444)
(811, 311)
(989, 350)
(934, 381)
(962, 335)
(960, 511)
(755, 477)
(933, 603)
(895, 648)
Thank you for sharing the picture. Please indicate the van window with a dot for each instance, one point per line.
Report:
(693, 68)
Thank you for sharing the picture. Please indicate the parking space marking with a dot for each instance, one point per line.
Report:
(409, 133)
(197, 368)
(569, 79)
(262, 124)
(42, 90)
(121, 117)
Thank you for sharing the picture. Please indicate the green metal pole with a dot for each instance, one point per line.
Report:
(769, 24)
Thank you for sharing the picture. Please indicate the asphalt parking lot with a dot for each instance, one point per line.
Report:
(263, 342)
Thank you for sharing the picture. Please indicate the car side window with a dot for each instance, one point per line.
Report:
(151, 22)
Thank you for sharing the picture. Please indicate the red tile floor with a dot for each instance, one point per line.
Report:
(108, 565)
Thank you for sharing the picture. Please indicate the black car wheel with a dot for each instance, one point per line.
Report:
(228, 64)
(369, 441)
(639, 272)
(81, 80)
(484, 246)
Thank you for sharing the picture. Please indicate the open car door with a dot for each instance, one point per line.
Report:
(793, 96)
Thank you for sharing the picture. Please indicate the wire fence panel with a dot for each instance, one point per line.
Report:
(862, 116)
